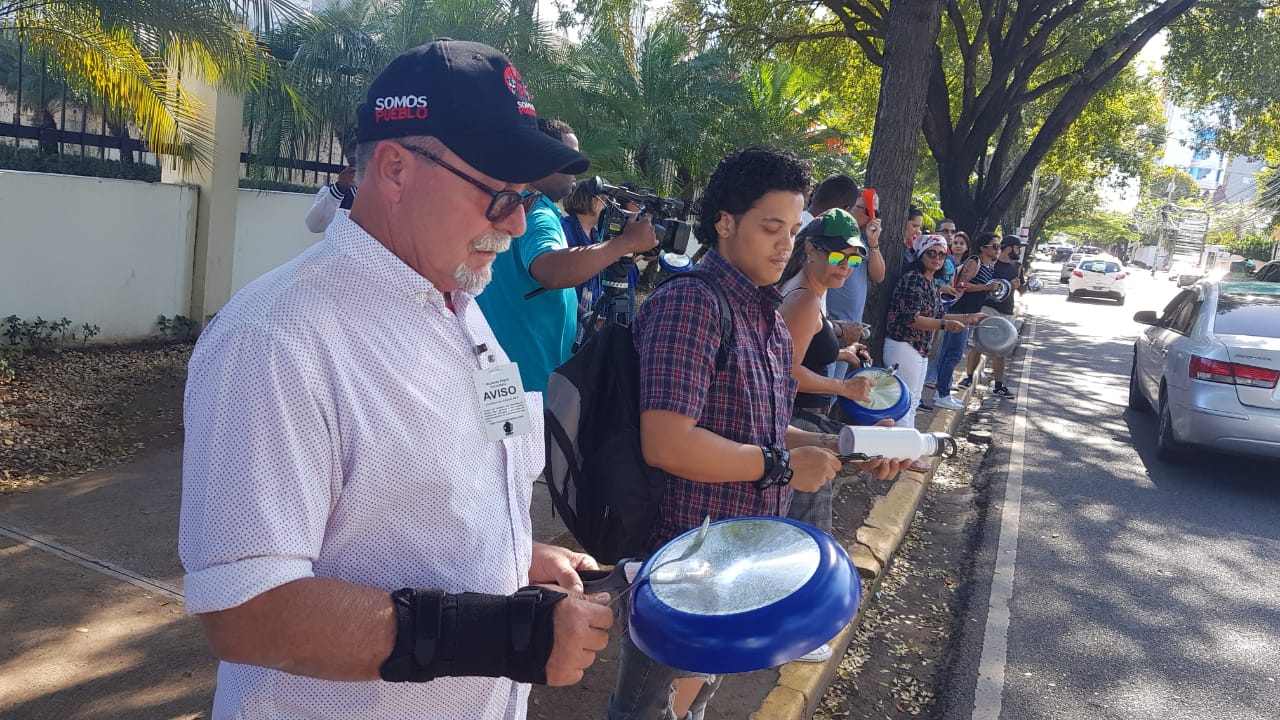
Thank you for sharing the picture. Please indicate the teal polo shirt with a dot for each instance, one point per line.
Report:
(537, 333)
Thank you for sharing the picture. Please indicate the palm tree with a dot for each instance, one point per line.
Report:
(133, 53)
(325, 63)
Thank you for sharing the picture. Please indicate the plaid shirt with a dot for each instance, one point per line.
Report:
(677, 335)
(913, 297)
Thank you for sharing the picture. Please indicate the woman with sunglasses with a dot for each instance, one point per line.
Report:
(825, 251)
(915, 312)
(958, 249)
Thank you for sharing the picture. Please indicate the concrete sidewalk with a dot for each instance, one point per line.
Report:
(90, 604)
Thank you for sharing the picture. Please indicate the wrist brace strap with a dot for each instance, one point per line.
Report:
(472, 634)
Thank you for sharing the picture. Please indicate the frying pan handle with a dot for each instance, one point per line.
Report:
(613, 581)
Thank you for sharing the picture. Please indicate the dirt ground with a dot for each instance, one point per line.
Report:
(900, 655)
(77, 410)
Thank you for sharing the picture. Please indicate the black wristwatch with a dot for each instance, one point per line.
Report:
(777, 467)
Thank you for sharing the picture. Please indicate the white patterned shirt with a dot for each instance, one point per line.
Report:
(333, 430)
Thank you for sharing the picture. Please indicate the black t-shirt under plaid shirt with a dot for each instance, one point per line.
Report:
(912, 297)
(677, 334)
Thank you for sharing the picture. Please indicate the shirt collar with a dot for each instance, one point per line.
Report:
(739, 287)
(545, 201)
(386, 269)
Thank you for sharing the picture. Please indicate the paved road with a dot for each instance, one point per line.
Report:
(1122, 587)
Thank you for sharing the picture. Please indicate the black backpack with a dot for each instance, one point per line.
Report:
(600, 484)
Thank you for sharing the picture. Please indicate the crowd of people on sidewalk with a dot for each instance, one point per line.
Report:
(364, 423)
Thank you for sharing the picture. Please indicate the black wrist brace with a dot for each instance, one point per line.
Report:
(472, 634)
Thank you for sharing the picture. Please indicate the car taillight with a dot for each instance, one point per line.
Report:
(1232, 373)
(1077, 273)
(1120, 276)
(1255, 376)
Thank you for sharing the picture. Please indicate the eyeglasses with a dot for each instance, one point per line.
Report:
(934, 254)
(870, 214)
(993, 246)
(501, 203)
(837, 259)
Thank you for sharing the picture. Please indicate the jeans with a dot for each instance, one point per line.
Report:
(645, 687)
(950, 355)
(813, 508)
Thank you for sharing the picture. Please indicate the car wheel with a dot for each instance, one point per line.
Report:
(1136, 400)
(1071, 297)
(1167, 446)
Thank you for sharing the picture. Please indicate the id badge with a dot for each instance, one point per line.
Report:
(503, 411)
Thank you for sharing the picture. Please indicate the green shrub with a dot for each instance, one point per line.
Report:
(30, 160)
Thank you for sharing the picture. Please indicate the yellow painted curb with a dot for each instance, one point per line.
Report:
(801, 686)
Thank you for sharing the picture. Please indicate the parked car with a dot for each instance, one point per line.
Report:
(1068, 266)
(1210, 365)
(1097, 276)
(1184, 274)
(1269, 272)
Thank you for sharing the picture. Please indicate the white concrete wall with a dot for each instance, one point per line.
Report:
(112, 253)
(269, 232)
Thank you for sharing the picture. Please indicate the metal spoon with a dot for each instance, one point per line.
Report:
(693, 547)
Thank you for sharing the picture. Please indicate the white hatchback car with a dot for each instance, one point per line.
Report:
(1097, 276)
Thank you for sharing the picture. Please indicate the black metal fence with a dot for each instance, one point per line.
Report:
(49, 124)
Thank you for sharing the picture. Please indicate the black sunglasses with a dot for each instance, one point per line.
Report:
(502, 202)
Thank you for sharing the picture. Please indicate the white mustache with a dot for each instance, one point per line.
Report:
(491, 242)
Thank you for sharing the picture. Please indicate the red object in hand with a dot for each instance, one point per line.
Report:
(869, 199)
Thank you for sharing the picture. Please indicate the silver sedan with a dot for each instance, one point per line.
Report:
(1210, 366)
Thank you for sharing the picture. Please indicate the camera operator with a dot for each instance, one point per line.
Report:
(531, 303)
(583, 208)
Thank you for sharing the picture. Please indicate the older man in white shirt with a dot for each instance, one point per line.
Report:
(359, 455)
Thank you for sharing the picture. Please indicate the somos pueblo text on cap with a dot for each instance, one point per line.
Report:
(759, 592)
(471, 98)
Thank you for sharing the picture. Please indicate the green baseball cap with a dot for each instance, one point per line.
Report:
(835, 230)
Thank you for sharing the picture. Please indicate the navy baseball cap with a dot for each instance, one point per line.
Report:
(471, 98)
(1011, 241)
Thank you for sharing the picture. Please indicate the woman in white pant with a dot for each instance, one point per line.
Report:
(915, 312)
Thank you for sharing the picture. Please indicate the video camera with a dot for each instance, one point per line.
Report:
(667, 215)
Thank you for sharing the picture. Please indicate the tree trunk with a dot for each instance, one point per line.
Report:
(910, 43)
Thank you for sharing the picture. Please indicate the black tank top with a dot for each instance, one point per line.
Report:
(823, 350)
(972, 302)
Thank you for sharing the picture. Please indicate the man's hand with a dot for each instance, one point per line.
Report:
(555, 565)
(882, 469)
(581, 630)
(346, 179)
(849, 332)
(872, 231)
(638, 236)
(812, 467)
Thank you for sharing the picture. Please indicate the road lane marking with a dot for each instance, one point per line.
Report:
(995, 640)
(70, 554)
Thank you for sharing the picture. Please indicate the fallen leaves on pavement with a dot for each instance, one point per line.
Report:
(72, 411)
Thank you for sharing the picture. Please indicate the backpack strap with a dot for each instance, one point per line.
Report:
(726, 313)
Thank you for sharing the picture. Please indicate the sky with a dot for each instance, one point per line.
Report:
(1125, 199)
